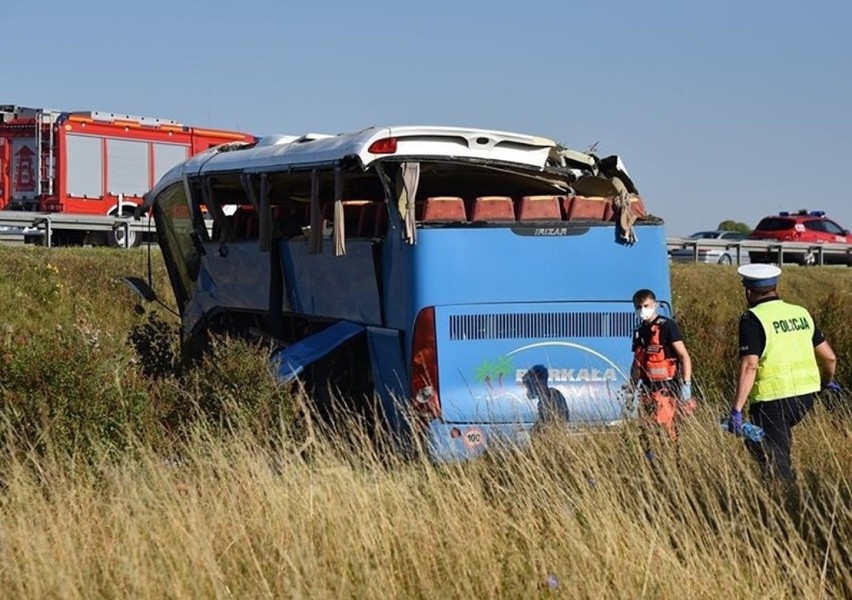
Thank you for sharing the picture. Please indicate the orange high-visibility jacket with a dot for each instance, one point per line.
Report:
(652, 358)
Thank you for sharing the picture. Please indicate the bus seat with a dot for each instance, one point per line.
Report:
(540, 208)
(443, 209)
(638, 206)
(587, 208)
(493, 208)
(351, 215)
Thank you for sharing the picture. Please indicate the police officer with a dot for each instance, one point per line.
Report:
(784, 361)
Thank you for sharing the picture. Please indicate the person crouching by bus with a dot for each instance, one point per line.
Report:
(552, 407)
(661, 366)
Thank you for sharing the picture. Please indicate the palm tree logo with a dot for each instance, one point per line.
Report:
(502, 368)
(484, 373)
(488, 371)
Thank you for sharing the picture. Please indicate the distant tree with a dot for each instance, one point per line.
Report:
(731, 225)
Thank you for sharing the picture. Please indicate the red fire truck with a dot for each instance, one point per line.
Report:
(91, 163)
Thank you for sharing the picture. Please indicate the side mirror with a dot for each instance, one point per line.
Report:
(141, 287)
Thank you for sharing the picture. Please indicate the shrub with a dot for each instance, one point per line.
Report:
(63, 389)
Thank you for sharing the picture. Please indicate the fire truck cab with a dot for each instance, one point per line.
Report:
(91, 163)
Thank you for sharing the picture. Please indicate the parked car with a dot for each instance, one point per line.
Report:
(722, 256)
(802, 226)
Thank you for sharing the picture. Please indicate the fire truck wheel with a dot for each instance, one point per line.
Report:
(115, 239)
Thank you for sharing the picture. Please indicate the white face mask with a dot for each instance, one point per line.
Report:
(646, 312)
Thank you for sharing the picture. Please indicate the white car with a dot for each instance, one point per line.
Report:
(714, 255)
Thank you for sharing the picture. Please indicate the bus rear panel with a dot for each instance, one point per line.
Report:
(505, 299)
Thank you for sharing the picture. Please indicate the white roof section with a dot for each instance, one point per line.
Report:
(438, 142)
(416, 141)
(279, 152)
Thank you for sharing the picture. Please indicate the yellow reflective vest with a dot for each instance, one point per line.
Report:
(788, 365)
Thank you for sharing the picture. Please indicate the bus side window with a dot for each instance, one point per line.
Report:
(290, 218)
(352, 215)
(367, 220)
(381, 228)
(245, 224)
(253, 226)
(354, 219)
(372, 220)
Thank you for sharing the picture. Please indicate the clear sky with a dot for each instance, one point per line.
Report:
(719, 109)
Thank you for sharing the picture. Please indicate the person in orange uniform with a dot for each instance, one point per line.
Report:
(662, 368)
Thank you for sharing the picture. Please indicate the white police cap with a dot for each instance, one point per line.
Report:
(759, 275)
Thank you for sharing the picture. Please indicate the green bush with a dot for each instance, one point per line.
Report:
(230, 388)
(64, 389)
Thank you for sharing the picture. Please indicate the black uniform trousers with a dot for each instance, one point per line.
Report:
(777, 418)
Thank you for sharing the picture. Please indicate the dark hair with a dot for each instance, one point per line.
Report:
(764, 289)
(536, 374)
(640, 296)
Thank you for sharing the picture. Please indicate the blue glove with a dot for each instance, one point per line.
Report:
(832, 386)
(685, 392)
(632, 393)
(735, 422)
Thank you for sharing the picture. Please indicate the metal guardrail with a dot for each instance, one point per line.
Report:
(810, 253)
(11, 236)
(21, 224)
(44, 223)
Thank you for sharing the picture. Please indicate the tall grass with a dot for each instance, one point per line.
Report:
(579, 517)
(116, 481)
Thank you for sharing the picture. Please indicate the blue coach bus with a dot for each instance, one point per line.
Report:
(425, 268)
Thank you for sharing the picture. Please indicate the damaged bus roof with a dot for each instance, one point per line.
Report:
(368, 146)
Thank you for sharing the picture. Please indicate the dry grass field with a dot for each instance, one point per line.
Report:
(117, 484)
